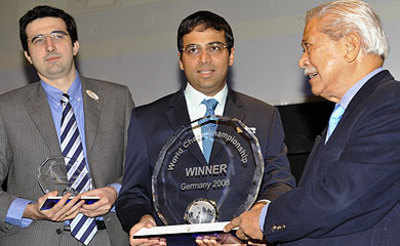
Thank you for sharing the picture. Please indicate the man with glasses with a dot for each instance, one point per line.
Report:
(205, 51)
(80, 120)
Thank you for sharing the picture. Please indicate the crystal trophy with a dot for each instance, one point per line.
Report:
(203, 196)
(52, 175)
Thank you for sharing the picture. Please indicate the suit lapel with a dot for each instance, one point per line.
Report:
(365, 91)
(233, 109)
(93, 99)
(177, 113)
(319, 140)
(178, 116)
(38, 109)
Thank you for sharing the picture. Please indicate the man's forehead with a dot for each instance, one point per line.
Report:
(204, 27)
(311, 28)
(201, 35)
(45, 25)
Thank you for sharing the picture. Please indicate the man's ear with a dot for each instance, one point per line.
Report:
(75, 48)
(28, 57)
(232, 56)
(352, 43)
(180, 61)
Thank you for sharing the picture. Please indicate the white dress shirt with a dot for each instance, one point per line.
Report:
(197, 110)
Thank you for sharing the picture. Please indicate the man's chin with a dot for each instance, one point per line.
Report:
(316, 91)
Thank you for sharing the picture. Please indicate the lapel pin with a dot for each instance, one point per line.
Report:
(93, 95)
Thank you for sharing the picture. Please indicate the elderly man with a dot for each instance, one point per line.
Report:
(349, 193)
(64, 114)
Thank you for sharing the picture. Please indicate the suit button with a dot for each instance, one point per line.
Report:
(59, 231)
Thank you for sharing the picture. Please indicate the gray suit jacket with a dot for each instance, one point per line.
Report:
(28, 137)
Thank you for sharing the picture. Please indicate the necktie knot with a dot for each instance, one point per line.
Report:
(64, 99)
(211, 104)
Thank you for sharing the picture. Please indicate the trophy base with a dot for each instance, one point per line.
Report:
(181, 229)
(52, 200)
(185, 234)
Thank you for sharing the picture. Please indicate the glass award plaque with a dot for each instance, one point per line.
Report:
(189, 190)
(52, 175)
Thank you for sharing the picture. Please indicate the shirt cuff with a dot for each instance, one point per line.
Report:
(117, 187)
(15, 212)
(263, 215)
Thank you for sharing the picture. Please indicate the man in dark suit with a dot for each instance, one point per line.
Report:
(205, 44)
(349, 192)
(68, 115)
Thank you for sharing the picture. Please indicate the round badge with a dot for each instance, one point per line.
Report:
(201, 211)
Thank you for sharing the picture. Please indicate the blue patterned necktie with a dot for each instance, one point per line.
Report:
(208, 129)
(83, 228)
(334, 120)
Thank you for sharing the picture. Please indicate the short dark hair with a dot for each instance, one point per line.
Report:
(206, 19)
(46, 11)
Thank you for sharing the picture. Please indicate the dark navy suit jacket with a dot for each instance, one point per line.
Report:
(350, 189)
(153, 124)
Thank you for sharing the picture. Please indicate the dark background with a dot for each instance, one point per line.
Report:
(302, 123)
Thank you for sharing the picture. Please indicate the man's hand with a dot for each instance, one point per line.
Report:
(147, 221)
(107, 196)
(218, 239)
(247, 224)
(60, 212)
(223, 239)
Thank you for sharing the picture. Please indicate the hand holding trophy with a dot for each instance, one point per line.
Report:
(52, 176)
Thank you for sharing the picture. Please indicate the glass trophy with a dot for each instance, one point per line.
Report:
(52, 175)
(203, 195)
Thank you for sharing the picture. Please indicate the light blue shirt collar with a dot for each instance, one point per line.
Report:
(54, 95)
(345, 101)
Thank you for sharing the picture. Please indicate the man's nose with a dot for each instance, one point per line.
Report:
(50, 44)
(205, 57)
(303, 62)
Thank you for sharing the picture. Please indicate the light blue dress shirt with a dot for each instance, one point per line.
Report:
(344, 102)
(54, 95)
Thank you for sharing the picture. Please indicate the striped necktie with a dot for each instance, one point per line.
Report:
(83, 228)
(208, 129)
(334, 120)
